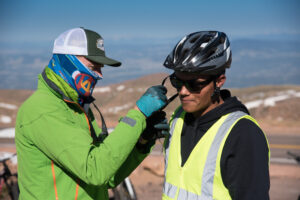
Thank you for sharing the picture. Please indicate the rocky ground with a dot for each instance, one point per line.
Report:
(148, 180)
(148, 177)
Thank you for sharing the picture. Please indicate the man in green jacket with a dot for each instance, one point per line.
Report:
(62, 153)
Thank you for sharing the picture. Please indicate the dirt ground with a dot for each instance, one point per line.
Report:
(286, 129)
(148, 180)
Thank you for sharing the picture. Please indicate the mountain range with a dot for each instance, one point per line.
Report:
(275, 107)
(255, 62)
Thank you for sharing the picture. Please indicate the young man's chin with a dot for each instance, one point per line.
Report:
(188, 108)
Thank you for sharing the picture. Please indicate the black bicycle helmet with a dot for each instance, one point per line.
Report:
(204, 52)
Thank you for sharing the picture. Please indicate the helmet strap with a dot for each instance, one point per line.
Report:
(216, 94)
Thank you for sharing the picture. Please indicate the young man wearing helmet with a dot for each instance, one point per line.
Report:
(215, 149)
(62, 153)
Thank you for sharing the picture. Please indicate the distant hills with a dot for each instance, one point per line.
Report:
(255, 62)
(264, 63)
(276, 107)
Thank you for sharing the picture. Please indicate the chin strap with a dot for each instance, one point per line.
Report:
(216, 95)
(171, 98)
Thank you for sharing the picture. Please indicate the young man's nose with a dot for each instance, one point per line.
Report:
(183, 90)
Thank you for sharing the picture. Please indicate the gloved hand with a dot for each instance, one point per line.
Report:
(157, 126)
(152, 100)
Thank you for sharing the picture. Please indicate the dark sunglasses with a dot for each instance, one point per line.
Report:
(192, 85)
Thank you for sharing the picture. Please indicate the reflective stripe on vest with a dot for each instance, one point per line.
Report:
(172, 191)
(176, 117)
(210, 165)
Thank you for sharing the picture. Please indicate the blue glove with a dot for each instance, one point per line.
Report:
(153, 100)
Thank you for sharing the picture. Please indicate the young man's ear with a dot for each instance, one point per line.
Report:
(220, 80)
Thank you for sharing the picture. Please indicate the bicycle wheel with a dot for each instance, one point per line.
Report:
(14, 191)
(125, 191)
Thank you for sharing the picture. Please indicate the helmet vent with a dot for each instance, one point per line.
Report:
(184, 53)
(210, 53)
(222, 40)
(193, 40)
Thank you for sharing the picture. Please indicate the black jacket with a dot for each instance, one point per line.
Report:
(244, 160)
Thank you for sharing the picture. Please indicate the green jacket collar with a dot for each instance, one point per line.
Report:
(58, 86)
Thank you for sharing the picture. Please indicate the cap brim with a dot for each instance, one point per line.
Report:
(104, 60)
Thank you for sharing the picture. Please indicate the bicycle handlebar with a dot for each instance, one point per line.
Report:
(294, 156)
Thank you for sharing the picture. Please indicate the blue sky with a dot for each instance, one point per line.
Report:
(141, 33)
(41, 21)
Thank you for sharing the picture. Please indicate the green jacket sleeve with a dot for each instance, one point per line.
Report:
(133, 160)
(70, 145)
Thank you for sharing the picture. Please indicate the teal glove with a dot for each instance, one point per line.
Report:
(152, 100)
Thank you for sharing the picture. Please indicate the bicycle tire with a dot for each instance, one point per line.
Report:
(125, 191)
(14, 191)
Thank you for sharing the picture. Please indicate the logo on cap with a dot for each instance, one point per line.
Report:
(100, 44)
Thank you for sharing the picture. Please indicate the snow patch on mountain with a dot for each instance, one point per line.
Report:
(102, 89)
(8, 106)
(271, 101)
(5, 119)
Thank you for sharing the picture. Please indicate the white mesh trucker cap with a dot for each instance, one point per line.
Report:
(80, 41)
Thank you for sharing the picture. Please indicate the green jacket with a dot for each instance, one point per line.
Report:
(56, 154)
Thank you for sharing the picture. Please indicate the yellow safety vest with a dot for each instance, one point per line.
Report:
(200, 177)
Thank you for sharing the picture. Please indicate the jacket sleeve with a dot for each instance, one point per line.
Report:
(70, 146)
(138, 154)
(245, 162)
(132, 161)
